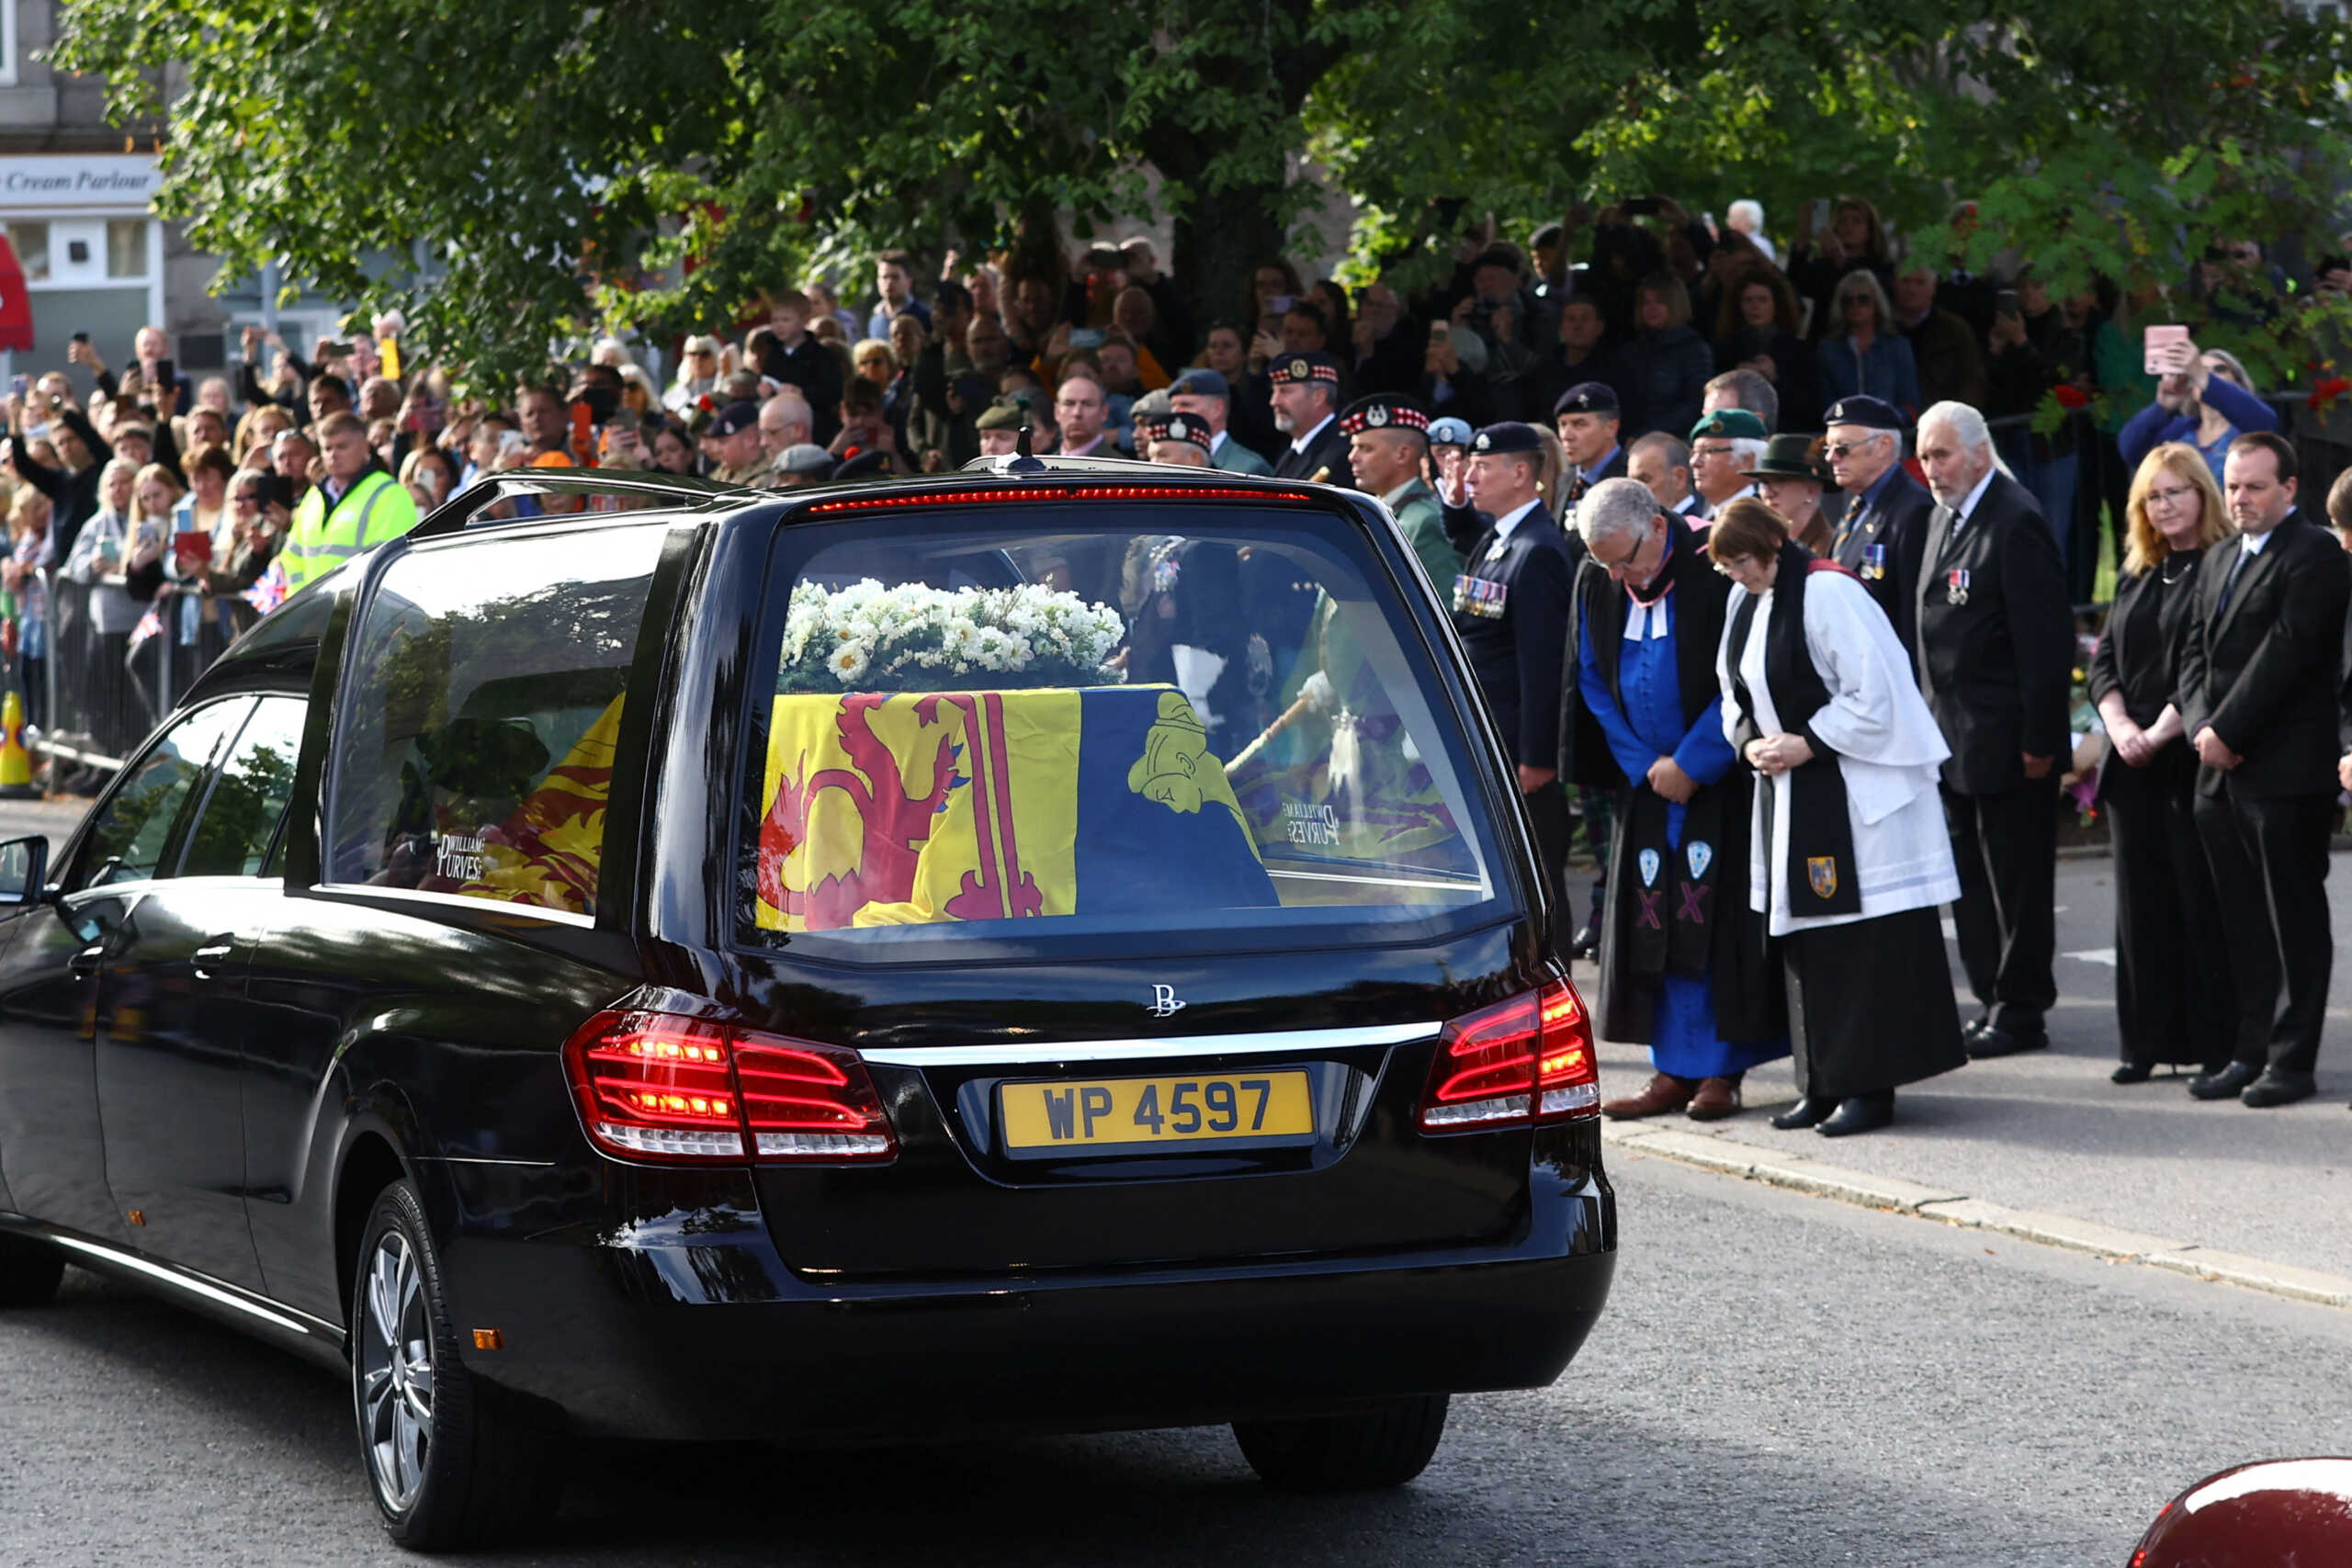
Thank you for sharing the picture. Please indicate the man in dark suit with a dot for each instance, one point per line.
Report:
(1510, 607)
(1305, 395)
(2259, 678)
(1996, 653)
(1885, 526)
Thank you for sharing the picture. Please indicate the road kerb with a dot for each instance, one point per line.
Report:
(1729, 1156)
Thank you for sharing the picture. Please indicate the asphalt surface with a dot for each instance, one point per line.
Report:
(2046, 1129)
(1777, 1381)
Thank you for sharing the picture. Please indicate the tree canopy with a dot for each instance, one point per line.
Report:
(560, 164)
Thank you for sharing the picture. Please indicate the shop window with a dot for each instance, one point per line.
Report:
(126, 247)
(30, 242)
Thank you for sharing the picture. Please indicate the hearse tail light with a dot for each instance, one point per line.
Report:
(1517, 1062)
(686, 1090)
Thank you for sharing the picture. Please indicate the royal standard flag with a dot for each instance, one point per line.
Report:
(914, 808)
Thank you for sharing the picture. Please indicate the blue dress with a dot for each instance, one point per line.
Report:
(1683, 1041)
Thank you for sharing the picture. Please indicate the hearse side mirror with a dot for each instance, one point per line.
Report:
(24, 868)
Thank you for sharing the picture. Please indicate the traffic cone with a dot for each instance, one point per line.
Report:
(16, 763)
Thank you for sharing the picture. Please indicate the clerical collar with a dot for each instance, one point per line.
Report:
(1664, 576)
(1301, 445)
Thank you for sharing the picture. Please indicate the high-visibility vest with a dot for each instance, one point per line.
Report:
(371, 513)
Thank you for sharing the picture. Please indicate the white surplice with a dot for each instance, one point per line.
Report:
(1887, 746)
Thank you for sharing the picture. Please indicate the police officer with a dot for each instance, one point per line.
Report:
(1388, 438)
(1307, 399)
(1510, 607)
(1885, 530)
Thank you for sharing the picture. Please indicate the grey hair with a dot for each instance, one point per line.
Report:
(1613, 509)
(1748, 450)
(1962, 421)
(1969, 426)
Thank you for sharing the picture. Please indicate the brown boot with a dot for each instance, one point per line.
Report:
(1716, 1099)
(1665, 1093)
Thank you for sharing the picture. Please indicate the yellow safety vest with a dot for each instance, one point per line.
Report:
(372, 512)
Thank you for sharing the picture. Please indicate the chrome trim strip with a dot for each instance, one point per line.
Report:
(459, 901)
(182, 1282)
(1274, 1042)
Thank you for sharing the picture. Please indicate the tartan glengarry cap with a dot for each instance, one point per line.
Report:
(1383, 410)
(1294, 367)
(1871, 413)
(1510, 435)
(1186, 427)
(1587, 397)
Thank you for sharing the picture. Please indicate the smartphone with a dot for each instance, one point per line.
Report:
(281, 490)
(1642, 207)
(2004, 303)
(20, 385)
(510, 441)
(1441, 331)
(80, 337)
(167, 373)
(1087, 337)
(335, 351)
(2153, 343)
(583, 422)
(1279, 305)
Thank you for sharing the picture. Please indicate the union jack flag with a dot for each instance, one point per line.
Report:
(269, 591)
(150, 625)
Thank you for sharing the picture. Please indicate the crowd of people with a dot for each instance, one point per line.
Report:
(1771, 580)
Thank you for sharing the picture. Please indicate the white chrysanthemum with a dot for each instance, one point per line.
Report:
(849, 662)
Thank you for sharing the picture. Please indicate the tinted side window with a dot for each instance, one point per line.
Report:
(249, 795)
(131, 830)
(474, 747)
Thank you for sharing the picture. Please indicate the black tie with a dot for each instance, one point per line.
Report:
(2229, 583)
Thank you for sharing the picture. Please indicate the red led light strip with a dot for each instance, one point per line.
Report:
(1059, 492)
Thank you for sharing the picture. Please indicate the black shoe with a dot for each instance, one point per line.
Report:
(1810, 1112)
(1996, 1040)
(2227, 1084)
(1863, 1113)
(2131, 1072)
(2276, 1088)
(1588, 941)
(1972, 1028)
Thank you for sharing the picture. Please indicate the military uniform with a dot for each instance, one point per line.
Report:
(1511, 609)
(1885, 532)
(1418, 516)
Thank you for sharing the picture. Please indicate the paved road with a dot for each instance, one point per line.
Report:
(2047, 1130)
(1779, 1380)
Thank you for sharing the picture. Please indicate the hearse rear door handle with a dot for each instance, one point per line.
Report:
(217, 950)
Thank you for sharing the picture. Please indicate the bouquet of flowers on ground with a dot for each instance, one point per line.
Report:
(867, 638)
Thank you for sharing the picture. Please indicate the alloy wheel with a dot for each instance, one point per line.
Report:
(395, 1347)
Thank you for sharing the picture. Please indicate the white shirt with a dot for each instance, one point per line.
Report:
(1217, 444)
(1303, 441)
(1506, 523)
(2251, 544)
(1968, 502)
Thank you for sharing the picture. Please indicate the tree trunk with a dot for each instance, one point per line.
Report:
(1220, 241)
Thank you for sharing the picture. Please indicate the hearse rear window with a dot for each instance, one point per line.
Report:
(1022, 722)
(473, 750)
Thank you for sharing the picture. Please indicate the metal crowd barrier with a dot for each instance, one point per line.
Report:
(101, 696)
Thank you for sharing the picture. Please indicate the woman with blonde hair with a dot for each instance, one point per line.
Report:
(2172, 982)
(1863, 351)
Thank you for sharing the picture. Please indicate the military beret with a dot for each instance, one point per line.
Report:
(1202, 384)
(1587, 397)
(1508, 437)
(1186, 427)
(1871, 413)
(1449, 431)
(735, 419)
(869, 464)
(1383, 410)
(1733, 424)
(1002, 414)
(1291, 368)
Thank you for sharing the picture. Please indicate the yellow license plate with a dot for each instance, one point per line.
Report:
(1127, 1115)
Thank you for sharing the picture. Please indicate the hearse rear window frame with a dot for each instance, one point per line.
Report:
(800, 537)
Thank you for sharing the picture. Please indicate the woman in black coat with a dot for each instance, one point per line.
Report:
(2172, 998)
(1756, 329)
(1668, 364)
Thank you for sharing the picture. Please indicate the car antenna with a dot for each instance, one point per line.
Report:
(1024, 461)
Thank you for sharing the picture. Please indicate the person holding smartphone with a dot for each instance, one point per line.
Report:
(2203, 399)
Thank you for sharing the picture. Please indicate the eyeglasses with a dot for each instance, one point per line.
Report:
(1838, 449)
(2172, 497)
(1710, 451)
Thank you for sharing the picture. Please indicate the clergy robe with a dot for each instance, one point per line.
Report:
(1881, 1012)
(1644, 674)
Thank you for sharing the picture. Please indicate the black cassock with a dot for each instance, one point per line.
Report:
(2171, 975)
